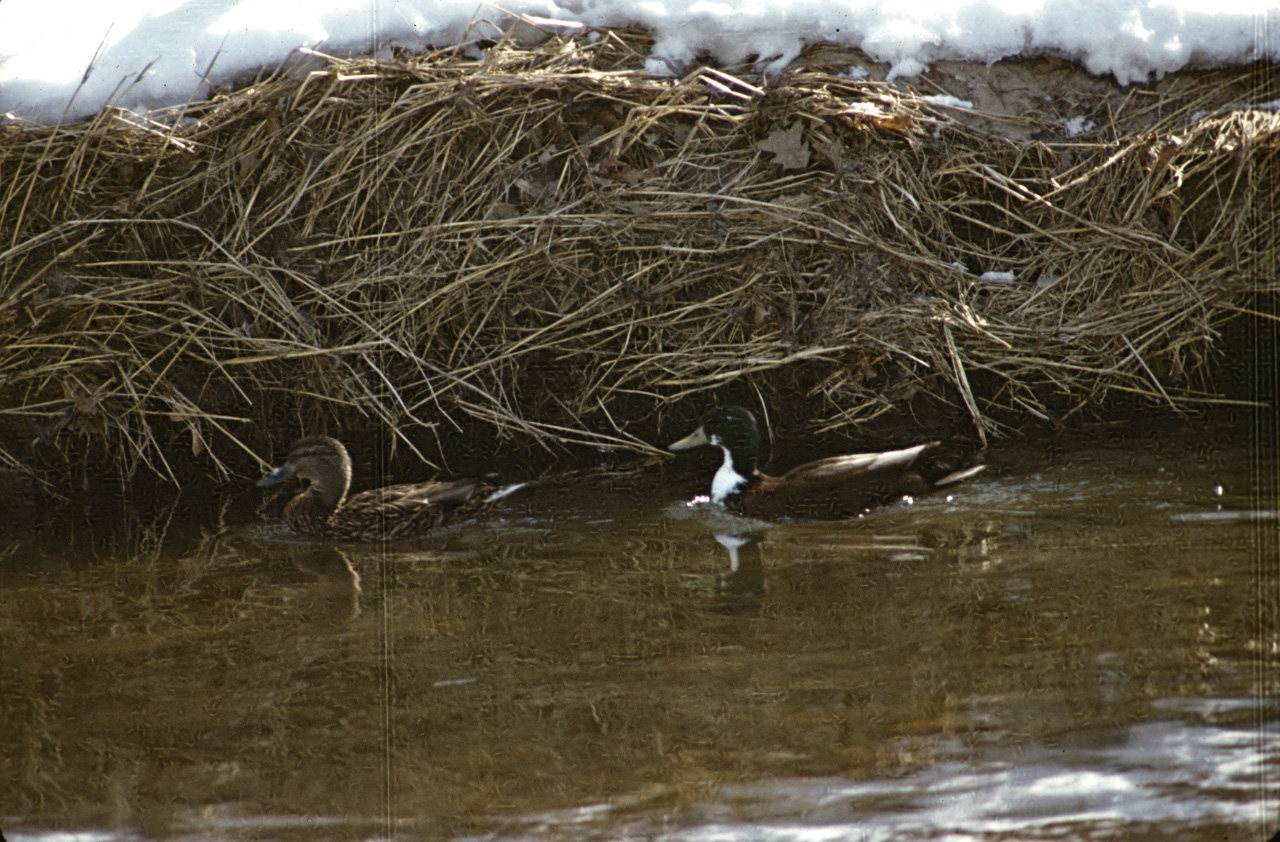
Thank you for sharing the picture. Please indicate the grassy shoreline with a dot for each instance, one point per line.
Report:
(545, 248)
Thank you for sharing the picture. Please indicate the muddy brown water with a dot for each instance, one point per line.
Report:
(1080, 644)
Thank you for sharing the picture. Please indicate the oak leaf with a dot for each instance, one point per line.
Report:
(788, 147)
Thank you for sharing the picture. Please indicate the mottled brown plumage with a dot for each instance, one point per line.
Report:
(323, 509)
(827, 489)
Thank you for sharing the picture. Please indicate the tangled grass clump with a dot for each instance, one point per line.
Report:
(547, 243)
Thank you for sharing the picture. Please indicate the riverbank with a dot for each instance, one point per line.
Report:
(543, 246)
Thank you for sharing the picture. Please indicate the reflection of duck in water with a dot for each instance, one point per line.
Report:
(741, 588)
(827, 489)
(323, 509)
(335, 595)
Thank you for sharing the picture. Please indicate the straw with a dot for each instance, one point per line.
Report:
(545, 245)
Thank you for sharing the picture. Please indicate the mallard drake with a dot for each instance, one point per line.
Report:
(827, 489)
(323, 509)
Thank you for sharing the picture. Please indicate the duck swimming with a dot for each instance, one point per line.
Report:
(827, 489)
(323, 509)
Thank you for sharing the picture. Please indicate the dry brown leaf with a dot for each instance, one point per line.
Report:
(788, 147)
(1168, 150)
(83, 400)
(893, 122)
(501, 211)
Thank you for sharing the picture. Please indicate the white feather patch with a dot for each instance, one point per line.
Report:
(727, 481)
(504, 491)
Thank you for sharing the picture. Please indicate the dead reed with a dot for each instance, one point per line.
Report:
(546, 243)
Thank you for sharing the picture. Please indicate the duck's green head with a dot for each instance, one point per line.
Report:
(731, 428)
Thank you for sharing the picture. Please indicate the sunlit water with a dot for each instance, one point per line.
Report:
(1082, 643)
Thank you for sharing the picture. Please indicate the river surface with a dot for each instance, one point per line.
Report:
(1081, 643)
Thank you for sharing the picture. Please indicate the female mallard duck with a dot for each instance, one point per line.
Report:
(323, 509)
(827, 489)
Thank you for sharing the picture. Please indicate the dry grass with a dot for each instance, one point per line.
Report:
(547, 244)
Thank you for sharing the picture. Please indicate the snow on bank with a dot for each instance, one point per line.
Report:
(142, 54)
